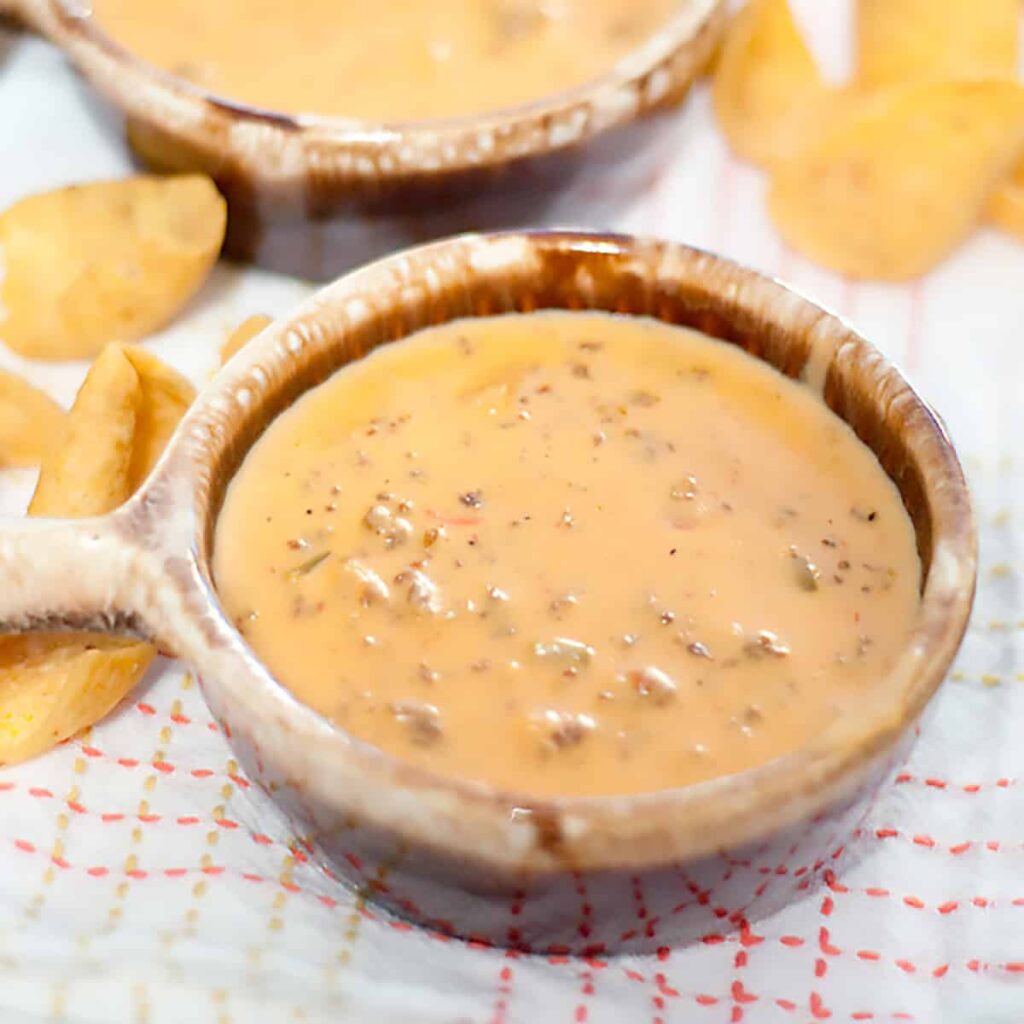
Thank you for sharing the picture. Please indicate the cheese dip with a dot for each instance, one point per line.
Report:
(392, 60)
(569, 553)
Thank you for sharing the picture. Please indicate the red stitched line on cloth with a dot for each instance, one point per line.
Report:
(796, 942)
(217, 870)
(826, 948)
(182, 820)
(166, 767)
(586, 924)
(649, 926)
(740, 995)
(741, 998)
(745, 936)
(948, 907)
(935, 782)
(929, 843)
(505, 979)
(707, 1000)
(515, 909)
(582, 1011)
(646, 925)
(179, 719)
(664, 991)
(829, 949)
(781, 869)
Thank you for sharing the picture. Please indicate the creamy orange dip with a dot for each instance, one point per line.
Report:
(391, 60)
(569, 553)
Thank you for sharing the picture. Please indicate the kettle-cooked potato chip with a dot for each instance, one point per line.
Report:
(1006, 207)
(244, 332)
(89, 474)
(166, 396)
(31, 423)
(902, 40)
(107, 261)
(766, 81)
(52, 685)
(890, 191)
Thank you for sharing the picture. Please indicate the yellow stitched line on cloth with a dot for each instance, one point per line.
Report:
(58, 1002)
(989, 679)
(187, 928)
(131, 864)
(355, 919)
(140, 998)
(220, 1002)
(33, 909)
(36, 902)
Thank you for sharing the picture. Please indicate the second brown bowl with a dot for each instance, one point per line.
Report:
(313, 195)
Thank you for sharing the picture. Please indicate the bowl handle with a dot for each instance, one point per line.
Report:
(76, 574)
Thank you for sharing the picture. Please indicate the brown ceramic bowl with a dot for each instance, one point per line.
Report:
(314, 195)
(581, 874)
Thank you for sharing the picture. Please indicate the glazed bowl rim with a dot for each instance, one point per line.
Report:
(796, 785)
(681, 29)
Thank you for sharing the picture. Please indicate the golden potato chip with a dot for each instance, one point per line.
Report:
(109, 261)
(166, 396)
(899, 41)
(765, 81)
(31, 423)
(53, 685)
(890, 191)
(244, 332)
(1006, 207)
(90, 473)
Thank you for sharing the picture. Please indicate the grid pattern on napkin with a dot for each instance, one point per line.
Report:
(144, 879)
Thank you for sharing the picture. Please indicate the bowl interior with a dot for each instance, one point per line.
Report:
(674, 284)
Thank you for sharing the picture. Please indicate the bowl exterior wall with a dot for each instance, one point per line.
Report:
(565, 911)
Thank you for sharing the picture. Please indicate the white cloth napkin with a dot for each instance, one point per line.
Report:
(142, 878)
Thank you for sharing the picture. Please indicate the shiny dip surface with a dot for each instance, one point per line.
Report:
(569, 553)
(391, 60)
